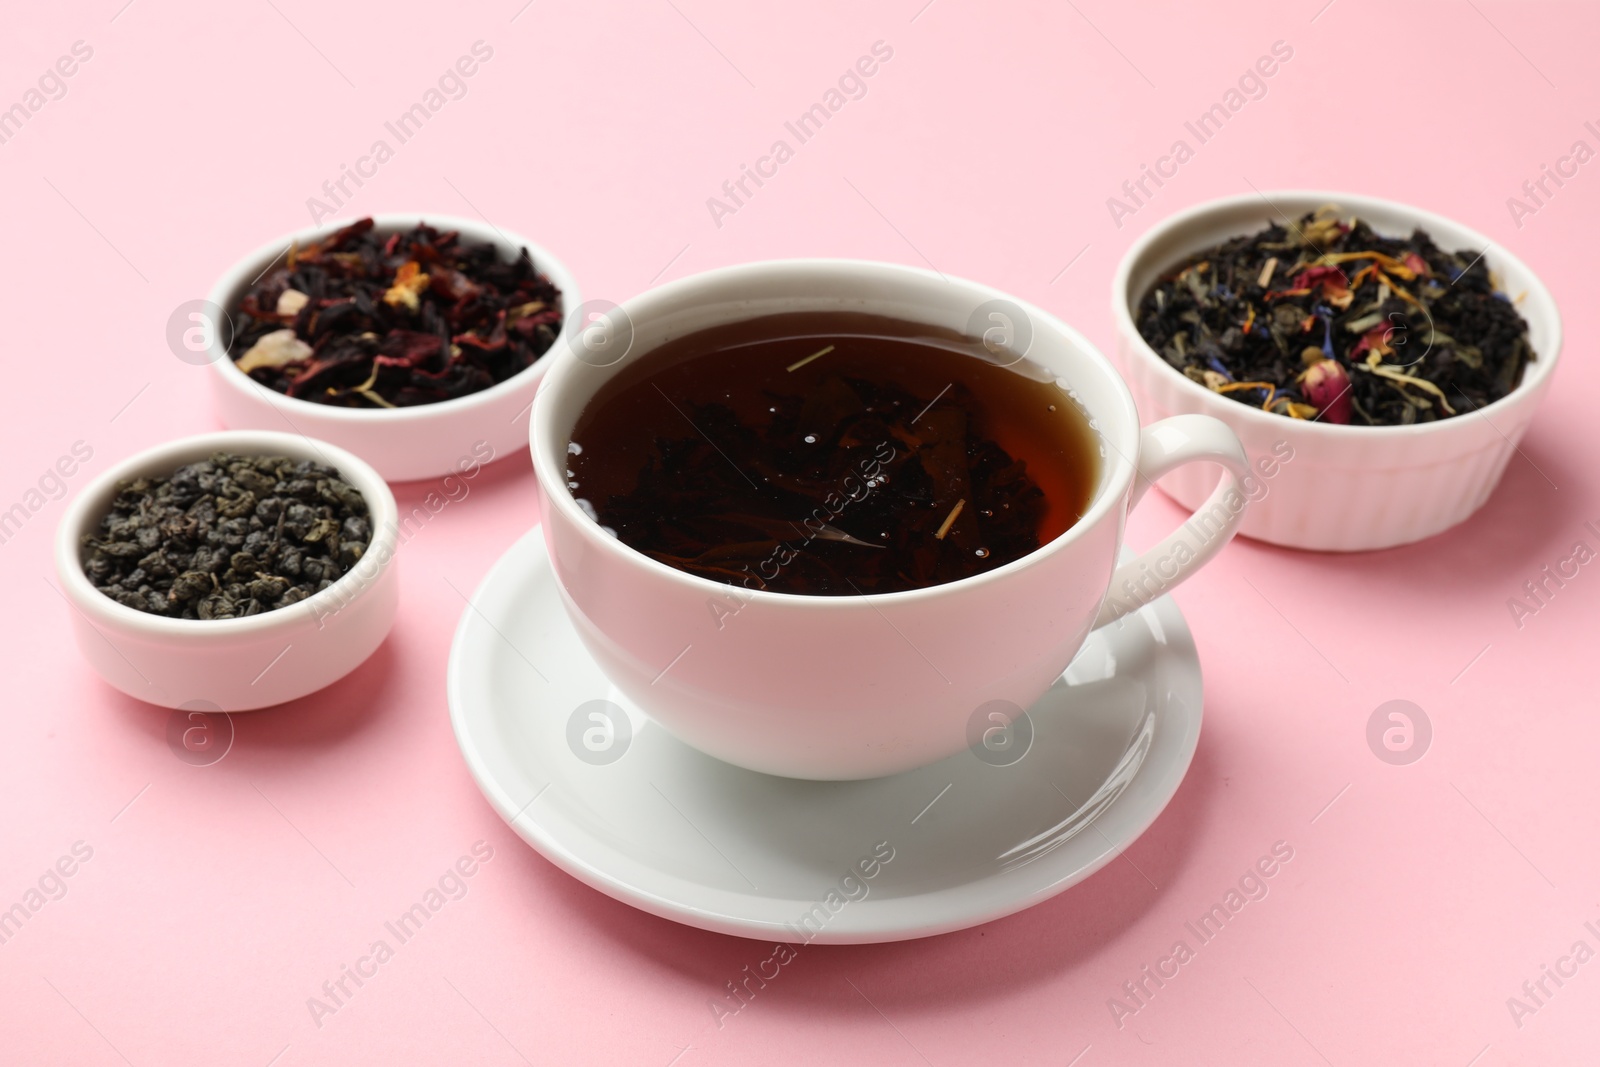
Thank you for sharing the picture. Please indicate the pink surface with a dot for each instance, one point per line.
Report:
(218, 899)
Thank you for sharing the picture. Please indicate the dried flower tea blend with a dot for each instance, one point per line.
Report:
(832, 454)
(1325, 319)
(227, 537)
(365, 321)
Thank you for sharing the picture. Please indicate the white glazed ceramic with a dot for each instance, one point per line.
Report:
(404, 444)
(861, 686)
(233, 664)
(1341, 488)
(619, 803)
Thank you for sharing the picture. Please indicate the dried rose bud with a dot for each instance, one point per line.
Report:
(1326, 385)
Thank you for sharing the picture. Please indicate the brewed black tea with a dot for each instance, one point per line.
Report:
(832, 454)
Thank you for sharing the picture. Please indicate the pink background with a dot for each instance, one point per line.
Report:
(221, 897)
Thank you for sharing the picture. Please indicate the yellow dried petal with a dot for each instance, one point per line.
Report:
(1394, 374)
(409, 283)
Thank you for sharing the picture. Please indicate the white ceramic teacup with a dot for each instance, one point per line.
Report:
(842, 687)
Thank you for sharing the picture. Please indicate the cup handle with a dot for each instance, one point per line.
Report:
(1164, 446)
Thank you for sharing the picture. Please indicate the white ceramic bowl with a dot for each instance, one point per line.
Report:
(404, 444)
(233, 664)
(1324, 486)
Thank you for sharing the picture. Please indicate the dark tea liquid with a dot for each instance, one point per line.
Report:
(832, 453)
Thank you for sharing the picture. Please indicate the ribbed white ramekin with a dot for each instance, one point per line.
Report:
(1323, 486)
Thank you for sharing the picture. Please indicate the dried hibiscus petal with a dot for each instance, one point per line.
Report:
(414, 317)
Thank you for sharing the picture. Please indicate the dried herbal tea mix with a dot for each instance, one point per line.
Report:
(365, 321)
(832, 454)
(1325, 319)
(227, 537)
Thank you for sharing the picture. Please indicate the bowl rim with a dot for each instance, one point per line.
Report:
(252, 266)
(1534, 378)
(100, 609)
(1119, 464)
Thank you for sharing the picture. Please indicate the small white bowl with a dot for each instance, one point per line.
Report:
(233, 664)
(404, 444)
(1324, 486)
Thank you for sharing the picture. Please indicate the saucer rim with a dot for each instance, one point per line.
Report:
(944, 910)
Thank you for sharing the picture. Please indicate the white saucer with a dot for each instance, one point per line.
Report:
(679, 834)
